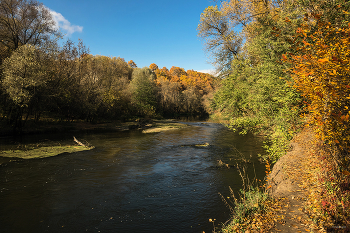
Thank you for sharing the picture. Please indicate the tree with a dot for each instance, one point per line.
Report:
(24, 22)
(192, 101)
(220, 38)
(153, 67)
(257, 96)
(335, 11)
(170, 97)
(132, 64)
(182, 92)
(177, 71)
(24, 79)
(321, 73)
(108, 78)
(225, 29)
(143, 91)
(22, 74)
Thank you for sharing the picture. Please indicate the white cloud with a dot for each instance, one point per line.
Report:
(63, 24)
(212, 72)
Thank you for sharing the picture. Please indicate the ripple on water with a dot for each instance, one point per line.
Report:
(131, 182)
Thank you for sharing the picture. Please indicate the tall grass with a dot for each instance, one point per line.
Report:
(247, 205)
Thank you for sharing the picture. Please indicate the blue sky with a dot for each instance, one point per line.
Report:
(145, 31)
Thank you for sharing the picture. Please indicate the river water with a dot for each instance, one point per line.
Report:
(130, 182)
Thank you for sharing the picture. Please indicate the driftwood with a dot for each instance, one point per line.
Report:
(80, 143)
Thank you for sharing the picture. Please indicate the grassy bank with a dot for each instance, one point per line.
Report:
(52, 126)
(42, 152)
(306, 191)
(159, 126)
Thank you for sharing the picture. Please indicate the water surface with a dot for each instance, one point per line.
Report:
(131, 182)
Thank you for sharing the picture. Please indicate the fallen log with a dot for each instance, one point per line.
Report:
(80, 143)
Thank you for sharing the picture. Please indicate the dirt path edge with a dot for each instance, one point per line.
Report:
(285, 182)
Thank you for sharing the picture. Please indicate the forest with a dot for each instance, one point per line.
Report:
(285, 69)
(42, 80)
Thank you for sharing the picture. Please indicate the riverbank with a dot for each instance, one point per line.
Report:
(315, 188)
(42, 151)
(287, 184)
(307, 193)
(282, 208)
(43, 127)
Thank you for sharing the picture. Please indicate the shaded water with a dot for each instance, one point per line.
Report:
(131, 182)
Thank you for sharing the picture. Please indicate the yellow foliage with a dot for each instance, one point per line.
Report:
(321, 73)
(188, 79)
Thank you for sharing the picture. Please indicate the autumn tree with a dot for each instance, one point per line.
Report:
(257, 96)
(104, 81)
(329, 11)
(177, 71)
(192, 101)
(170, 97)
(24, 22)
(320, 72)
(24, 80)
(224, 29)
(162, 75)
(182, 92)
(132, 64)
(153, 67)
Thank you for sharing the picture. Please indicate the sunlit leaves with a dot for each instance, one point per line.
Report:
(321, 73)
(153, 67)
(23, 74)
(132, 64)
(184, 91)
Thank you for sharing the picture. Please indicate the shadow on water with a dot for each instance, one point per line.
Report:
(131, 182)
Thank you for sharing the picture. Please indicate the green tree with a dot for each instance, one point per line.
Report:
(105, 80)
(221, 40)
(258, 95)
(144, 91)
(24, 80)
(22, 22)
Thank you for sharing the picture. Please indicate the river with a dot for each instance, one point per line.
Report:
(130, 182)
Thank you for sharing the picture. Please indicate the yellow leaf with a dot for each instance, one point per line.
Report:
(346, 173)
(334, 72)
(323, 60)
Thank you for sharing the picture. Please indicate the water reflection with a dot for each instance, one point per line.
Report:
(131, 182)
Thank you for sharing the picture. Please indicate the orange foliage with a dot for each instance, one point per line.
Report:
(153, 67)
(321, 72)
(177, 71)
(132, 64)
(190, 79)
